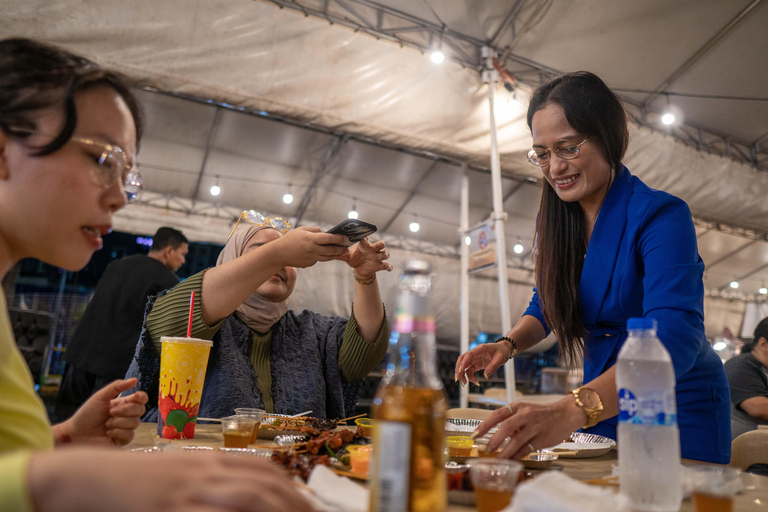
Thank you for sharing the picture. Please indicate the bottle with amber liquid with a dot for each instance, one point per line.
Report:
(407, 470)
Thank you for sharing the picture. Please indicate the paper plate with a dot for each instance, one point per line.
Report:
(585, 445)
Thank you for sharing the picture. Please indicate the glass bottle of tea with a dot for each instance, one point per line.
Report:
(407, 471)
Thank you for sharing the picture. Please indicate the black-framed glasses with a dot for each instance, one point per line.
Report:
(111, 163)
(541, 156)
(259, 219)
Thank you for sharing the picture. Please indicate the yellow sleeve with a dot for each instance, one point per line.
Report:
(170, 313)
(14, 495)
(357, 357)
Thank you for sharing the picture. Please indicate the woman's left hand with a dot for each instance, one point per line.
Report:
(532, 426)
(367, 258)
(104, 419)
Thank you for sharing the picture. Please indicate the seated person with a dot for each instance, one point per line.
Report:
(265, 355)
(748, 379)
(68, 137)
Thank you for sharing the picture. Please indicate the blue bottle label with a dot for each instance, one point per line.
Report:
(652, 409)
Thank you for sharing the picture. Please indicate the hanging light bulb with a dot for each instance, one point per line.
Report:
(216, 189)
(353, 212)
(288, 197)
(763, 290)
(438, 57)
(467, 240)
(670, 116)
(518, 248)
(414, 226)
(734, 284)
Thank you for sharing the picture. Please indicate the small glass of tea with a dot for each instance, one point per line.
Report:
(494, 481)
(237, 430)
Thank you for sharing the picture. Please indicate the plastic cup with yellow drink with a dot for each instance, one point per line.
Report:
(182, 373)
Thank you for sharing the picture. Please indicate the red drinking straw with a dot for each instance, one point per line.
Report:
(191, 312)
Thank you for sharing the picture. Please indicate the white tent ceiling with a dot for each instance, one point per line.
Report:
(346, 118)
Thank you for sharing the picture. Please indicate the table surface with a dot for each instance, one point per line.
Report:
(753, 498)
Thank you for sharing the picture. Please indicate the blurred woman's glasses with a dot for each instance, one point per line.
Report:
(540, 156)
(259, 219)
(111, 164)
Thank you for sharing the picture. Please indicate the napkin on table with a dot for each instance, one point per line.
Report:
(334, 493)
(555, 491)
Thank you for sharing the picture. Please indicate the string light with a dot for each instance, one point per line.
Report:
(288, 197)
(438, 57)
(518, 248)
(734, 284)
(763, 291)
(216, 189)
(467, 240)
(353, 212)
(414, 226)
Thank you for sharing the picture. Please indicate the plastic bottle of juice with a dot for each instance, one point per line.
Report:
(649, 440)
(407, 470)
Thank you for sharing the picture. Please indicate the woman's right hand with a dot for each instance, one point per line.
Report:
(303, 247)
(83, 480)
(488, 356)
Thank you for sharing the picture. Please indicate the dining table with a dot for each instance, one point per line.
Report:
(753, 497)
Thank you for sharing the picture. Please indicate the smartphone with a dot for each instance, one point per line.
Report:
(354, 229)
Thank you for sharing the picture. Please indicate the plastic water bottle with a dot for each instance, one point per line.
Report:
(649, 441)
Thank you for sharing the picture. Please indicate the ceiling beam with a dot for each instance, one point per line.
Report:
(326, 166)
(208, 145)
(693, 59)
(508, 21)
(728, 255)
(415, 190)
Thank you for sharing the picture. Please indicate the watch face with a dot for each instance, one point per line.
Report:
(589, 398)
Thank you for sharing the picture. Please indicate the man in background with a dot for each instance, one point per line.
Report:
(748, 378)
(104, 341)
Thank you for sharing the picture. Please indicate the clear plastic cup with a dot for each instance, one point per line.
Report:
(237, 431)
(257, 415)
(713, 487)
(494, 481)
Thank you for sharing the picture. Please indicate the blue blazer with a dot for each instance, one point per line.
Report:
(643, 261)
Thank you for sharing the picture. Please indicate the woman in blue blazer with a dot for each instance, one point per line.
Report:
(609, 248)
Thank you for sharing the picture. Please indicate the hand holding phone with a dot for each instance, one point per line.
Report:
(353, 229)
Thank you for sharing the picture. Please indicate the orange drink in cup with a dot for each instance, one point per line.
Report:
(257, 415)
(182, 373)
(713, 487)
(359, 459)
(237, 430)
(494, 481)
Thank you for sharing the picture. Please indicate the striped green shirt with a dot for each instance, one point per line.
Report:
(170, 313)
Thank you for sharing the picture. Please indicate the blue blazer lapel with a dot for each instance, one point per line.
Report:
(604, 246)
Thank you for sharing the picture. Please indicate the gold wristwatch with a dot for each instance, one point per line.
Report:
(590, 403)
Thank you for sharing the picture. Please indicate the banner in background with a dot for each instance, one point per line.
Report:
(482, 247)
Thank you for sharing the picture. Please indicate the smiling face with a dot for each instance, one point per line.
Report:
(280, 286)
(51, 208)
(585, 178)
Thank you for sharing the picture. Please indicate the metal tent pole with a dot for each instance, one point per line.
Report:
(490, 76)
(464, 306)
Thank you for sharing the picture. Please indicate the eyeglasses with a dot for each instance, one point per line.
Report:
(259, 219)
(540, 156)
(111, 164)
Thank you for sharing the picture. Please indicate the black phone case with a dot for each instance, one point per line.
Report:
(353, 229)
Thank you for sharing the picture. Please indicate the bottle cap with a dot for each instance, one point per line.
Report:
(641, 324)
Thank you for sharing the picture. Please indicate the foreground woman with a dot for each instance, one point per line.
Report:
(609, 248)
(68, 137)
(265, 355)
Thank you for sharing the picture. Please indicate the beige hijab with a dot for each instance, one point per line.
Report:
(257, 312)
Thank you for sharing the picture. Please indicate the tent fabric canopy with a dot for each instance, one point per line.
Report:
(287, 102)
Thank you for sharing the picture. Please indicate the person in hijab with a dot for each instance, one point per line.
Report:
(265, 355)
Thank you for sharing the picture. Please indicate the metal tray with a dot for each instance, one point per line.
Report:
(464, 425)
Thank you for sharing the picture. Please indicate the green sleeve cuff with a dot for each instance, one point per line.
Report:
(14, 494)
(170, 313)
(357, 357)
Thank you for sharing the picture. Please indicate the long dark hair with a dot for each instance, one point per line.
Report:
(593, 110)
(34, 76)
